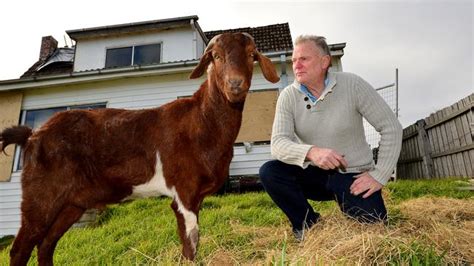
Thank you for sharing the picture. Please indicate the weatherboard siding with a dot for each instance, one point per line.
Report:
(10, 197)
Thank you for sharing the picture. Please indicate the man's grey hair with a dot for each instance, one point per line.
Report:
(319, 41)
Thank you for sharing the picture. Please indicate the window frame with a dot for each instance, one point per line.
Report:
(132, 59)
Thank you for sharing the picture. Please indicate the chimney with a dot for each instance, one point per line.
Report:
(48, 46)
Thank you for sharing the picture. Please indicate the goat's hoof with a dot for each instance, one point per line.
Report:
(188, 254)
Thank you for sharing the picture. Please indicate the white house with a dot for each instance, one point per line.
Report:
(134, 66)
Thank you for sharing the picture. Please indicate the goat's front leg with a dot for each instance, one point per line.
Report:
(187, 218)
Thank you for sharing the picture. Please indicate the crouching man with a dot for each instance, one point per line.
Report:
(319, 142)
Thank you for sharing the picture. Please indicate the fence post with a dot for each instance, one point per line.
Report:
(425, 148)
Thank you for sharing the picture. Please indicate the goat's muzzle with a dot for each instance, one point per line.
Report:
(236, 88)
(235, 85)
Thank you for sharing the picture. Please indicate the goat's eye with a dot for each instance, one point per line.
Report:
(252, 55)
(217, 57)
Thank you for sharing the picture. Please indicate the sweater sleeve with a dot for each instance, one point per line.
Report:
(283, 142)
(377, 112)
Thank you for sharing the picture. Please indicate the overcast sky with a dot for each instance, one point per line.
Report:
(430, 42)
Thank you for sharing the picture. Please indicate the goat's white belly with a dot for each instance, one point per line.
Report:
(155, 187)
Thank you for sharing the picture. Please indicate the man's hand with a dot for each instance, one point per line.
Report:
(365, 182)
(326, 158)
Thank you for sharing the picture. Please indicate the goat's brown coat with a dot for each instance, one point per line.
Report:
(86, 159)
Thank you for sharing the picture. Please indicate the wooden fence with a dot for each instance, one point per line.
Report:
(440, 145)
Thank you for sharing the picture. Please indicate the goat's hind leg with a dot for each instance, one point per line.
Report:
(187, 227)
(65, 219)
(25, 241)
(34, 227)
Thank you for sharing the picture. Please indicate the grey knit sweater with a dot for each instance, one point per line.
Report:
(335, 122)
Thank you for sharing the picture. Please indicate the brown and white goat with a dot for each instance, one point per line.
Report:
(86, 159)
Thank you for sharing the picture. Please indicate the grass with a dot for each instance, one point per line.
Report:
(408, 189)
(431, 223)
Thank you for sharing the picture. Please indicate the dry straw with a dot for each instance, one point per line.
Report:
(440, 227)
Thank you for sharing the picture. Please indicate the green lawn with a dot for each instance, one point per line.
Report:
(431, 223)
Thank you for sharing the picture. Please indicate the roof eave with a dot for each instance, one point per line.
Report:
(337, 49)
(92, 76)
(110, 74)
(152, 25)
(197, 27)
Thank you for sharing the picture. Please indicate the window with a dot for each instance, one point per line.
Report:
(134, 55)
(146, 54)
(36, 118)
(118, 57)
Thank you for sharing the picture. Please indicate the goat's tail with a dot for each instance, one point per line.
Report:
(14, 135)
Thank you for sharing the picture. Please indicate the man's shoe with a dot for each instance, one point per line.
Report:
(299, 234)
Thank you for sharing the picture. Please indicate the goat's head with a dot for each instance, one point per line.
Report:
(229, 59)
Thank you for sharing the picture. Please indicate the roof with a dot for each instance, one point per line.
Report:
(60, 55)
(135, 27)
(269, 38)
(60, 62)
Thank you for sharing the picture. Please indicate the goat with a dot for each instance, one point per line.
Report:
(82, 159)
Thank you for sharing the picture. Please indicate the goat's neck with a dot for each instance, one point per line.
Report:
(216, 109)
(217, 97)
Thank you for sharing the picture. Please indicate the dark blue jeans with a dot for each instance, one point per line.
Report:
(291, 186)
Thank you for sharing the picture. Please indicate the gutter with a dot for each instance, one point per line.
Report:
(283, 76)
(110, 74)
(96, 75)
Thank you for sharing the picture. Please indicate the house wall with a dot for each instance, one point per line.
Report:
(179, 44)
(10, 197)
(200, 45)
(131, 93)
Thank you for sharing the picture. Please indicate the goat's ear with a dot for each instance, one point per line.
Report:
(202, 66)
(268, 69)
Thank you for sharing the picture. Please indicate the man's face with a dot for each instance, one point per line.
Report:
(308, 63)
